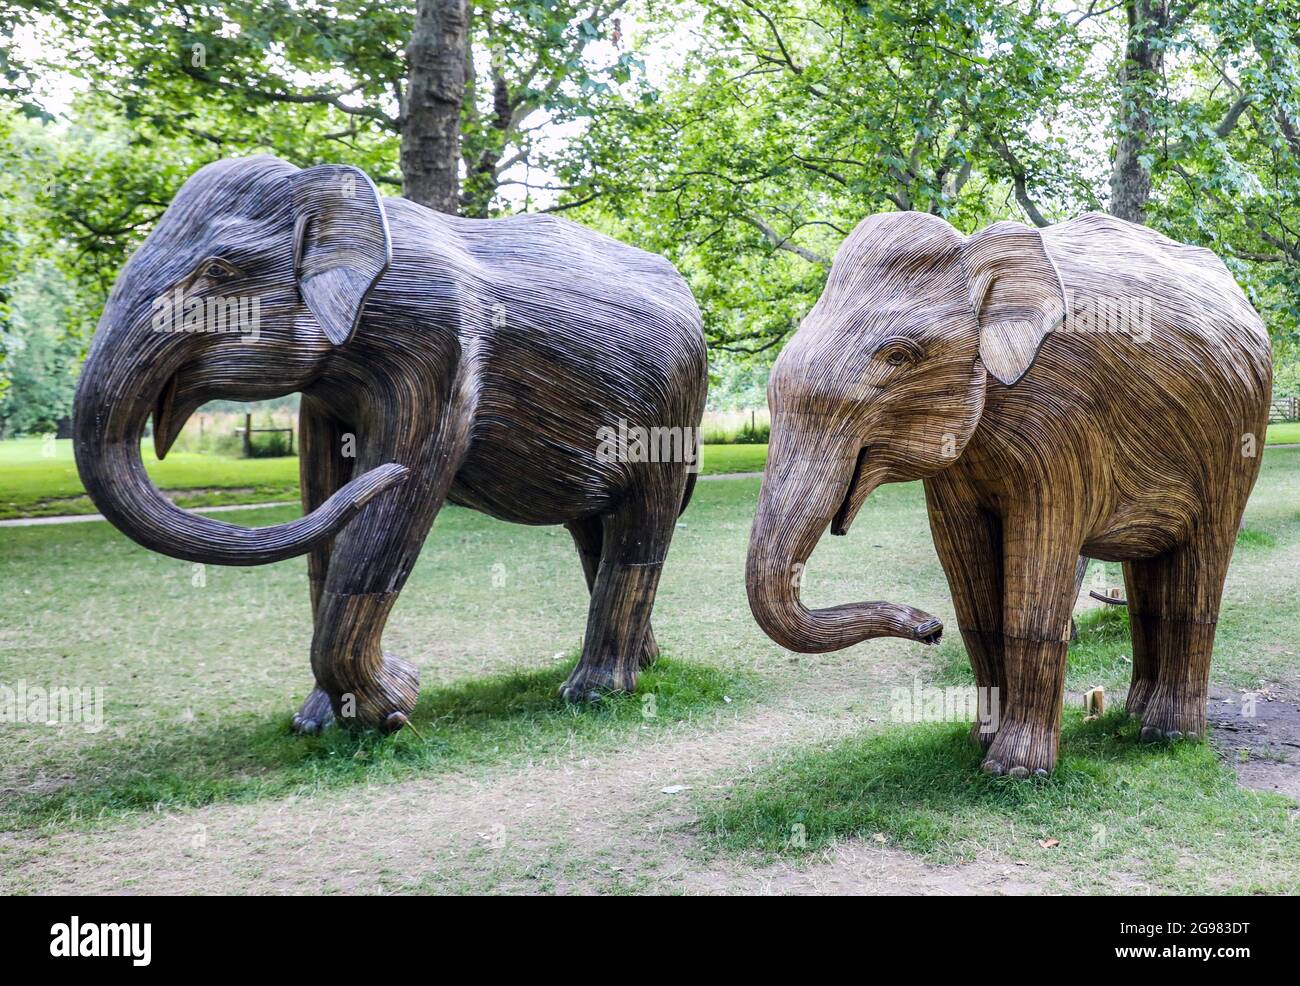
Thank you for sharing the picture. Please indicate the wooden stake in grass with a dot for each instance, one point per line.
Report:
(1094, 703)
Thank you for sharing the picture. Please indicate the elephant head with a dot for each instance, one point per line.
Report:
(884, 382)
(253, 277)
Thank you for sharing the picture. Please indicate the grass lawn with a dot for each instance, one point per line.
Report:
(731, 746)
(1175, 815)
(718, 459)
(38, 478)
(481, 720)
(1284, 433)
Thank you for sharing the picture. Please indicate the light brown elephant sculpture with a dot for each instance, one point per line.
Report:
(1091, 388)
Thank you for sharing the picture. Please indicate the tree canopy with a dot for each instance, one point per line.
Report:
(742, 139)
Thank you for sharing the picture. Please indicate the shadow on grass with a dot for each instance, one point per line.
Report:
(1109, 799)
(485, 721)
(1101, 655)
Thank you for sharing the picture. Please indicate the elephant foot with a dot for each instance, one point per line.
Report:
(591, 683)
(316, 714)
(1139, 694)
(385, 701)
(1169, 716)
(1021, 750)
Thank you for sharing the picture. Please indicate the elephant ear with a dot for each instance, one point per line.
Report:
(1017, 294)
(341, 244)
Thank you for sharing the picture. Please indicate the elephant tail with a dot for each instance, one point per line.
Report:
(690, 489)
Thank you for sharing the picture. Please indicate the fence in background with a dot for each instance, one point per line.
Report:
(1284, 409)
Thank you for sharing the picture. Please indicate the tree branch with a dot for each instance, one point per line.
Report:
(316, 98)
(1177, 18)
(1233, 115)
(1289, 132)
(1290, 250)
(776, 36)
(1221, 130)
(571, 205)
(752, 351)
(1018, 181)
(786, 58)
(1092, 11)
(783, 242)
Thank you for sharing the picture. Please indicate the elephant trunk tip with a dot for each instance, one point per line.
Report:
(929, 632)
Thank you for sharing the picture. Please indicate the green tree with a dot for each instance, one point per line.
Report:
(43, 356)
(354, 81)
(791, 121)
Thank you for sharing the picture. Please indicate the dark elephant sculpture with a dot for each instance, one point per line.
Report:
(482, 362)
(1090, 388)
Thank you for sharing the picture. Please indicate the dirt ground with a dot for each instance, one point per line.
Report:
(568, 826)
(1259, 733)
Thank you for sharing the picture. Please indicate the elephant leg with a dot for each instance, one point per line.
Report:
(1178, 600)
(1142, 580)
(322, 471)
(969, 544)
(1080, 573)
(634, 542)
(372, 557)
(649, 648)
(587, 537)
(1040, 552)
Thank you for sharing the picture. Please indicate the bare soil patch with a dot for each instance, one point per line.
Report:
(1259, 733)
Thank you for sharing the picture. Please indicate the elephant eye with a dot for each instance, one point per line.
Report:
(898, 351)
(216, 270)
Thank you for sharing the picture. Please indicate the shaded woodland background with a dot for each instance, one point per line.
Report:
(741, 139)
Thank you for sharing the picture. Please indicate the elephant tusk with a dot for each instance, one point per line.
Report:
(165, 428)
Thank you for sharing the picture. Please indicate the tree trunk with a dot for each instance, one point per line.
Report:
(435, 90)
(1140, 73)
(481, 178)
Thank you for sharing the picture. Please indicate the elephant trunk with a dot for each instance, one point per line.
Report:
(110, 412)
(807, 482)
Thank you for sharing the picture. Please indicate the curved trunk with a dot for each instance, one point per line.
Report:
(110, 415)
(807, 482)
